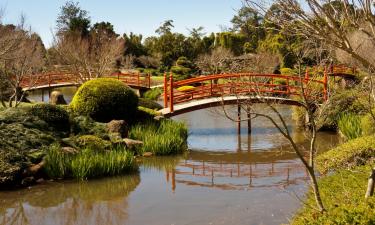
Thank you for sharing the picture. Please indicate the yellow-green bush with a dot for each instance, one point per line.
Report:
(367, 124)
(352, 153)
(287, 71)
(185, 88)
(93, 142)
(105, 99)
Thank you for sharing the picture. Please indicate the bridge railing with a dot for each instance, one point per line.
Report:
(48, 80)
(241, 84)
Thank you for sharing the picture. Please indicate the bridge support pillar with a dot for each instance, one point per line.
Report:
(248, 119)
(239, 119)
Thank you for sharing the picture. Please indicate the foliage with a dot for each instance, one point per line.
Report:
(352, 153)
(168, 137)
(367, 124)
(73, 19)
(349, 125)
(287, 71)
(145, 115)
(341, 102)
(147, 103)
(82, 125)
(87, 163)
(153, 94)
(55, 116)
(343, 194)
(186, 88)
(105, 99)
(92, 142)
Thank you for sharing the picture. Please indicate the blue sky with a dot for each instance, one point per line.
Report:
(137, 16)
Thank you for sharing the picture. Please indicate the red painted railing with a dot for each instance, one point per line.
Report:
(48, 80)
(242, 84)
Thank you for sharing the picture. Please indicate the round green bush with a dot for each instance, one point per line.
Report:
(105, 99)
(55, 116)
(147, 103)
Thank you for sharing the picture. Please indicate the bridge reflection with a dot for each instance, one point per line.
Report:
(236, 170)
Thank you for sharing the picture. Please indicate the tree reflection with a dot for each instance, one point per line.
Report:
(101, 201)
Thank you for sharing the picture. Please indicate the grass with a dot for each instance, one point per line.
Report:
(348, 155)
(153, 94)
(88, 163)
(168, 137)
(343, 195)
(186, 88)
(350, 125)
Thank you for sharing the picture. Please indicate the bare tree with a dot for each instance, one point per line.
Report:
(217, 61)
(21, 57)
(88, 57)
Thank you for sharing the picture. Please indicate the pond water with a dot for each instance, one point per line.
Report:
(225, 178)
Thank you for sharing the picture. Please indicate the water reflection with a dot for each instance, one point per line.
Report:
(102, 201)
(43, 95)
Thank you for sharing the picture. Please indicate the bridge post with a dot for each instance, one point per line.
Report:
(149, 80)
(210, 87)
(165, 90)
(171, 92)
(248, 119)
(325, 83)
(307, 74)
(239, 118)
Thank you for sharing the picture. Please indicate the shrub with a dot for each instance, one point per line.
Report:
(87, 163)
(343, 195)
(352, 153)
(105, 99)
(367, 125)
(167, 138)
(93, 142)
(153, 94)
(185, 88)
(147, 103)
(344, 101)
(55, 116)
(83, 125)
(350, 125)
(287, 71)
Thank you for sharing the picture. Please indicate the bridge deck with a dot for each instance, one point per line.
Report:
(217, 101)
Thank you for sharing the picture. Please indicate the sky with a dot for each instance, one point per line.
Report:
(137, 16)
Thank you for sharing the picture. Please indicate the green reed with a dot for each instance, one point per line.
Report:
(350, 125)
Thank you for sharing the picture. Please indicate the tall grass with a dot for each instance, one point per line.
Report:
(153, 94)
(350, 125)
(88, 163)
(168, 137)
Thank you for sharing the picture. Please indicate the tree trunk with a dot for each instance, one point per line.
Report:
(370, 185)
(314, 185)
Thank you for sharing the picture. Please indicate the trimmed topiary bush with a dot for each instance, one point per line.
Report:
(105, 99)
(147, 103)
(55, 116)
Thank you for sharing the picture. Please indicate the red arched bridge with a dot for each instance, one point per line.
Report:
(213, 90)
(60, 79)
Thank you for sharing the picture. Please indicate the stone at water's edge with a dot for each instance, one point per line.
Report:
(131, 144)
(147, 154)
(118, 126)
(57, 98)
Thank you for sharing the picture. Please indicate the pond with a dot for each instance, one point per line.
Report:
(225, 178)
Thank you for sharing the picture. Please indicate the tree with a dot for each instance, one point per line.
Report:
(73, 19)
(216, 62)
(22, 57)
(249, 23)
(88, 57)
(165, 28)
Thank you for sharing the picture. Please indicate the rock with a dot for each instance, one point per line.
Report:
(69, 150)
(27, 181)
(57, 98)
(118, 126)
(147, 154)
(34, 169)
(40, 180)
(131, 144)
(158, 118)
